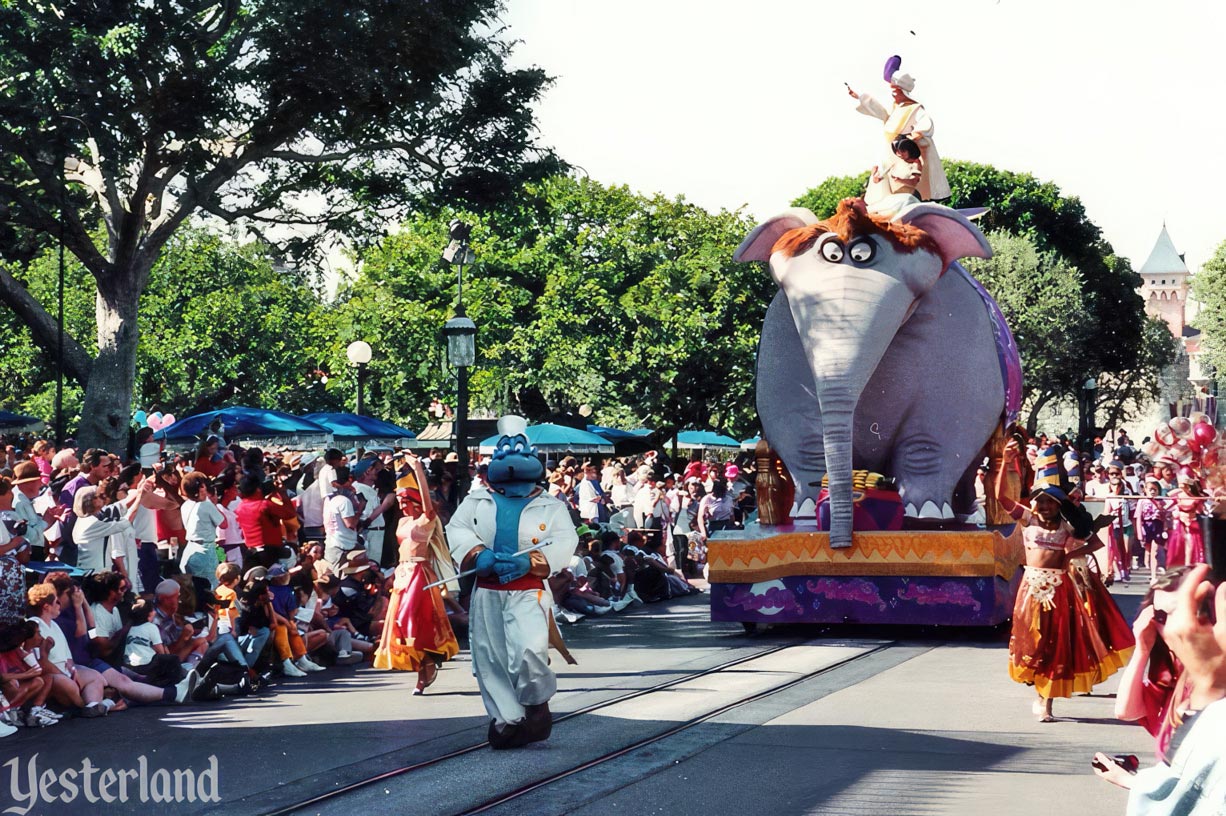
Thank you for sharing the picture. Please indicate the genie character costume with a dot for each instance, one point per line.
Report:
(509, 616)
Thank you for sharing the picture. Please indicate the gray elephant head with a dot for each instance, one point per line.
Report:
(851, 282)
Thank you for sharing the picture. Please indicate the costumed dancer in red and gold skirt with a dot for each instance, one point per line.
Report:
(417, 636)
(1054, 645)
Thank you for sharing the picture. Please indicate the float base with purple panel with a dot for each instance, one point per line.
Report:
(790, 574)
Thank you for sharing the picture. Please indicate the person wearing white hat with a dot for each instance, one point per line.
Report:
(513, 535)
(907, 119)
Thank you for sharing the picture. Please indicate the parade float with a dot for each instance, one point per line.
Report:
(886, 377)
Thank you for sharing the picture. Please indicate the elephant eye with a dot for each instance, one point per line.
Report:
(862, 251)
(832, 251)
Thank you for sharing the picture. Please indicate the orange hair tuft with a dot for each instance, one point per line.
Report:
(850, 220)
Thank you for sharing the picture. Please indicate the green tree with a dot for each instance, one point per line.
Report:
(316, 114)
(824, 199)
(582, 294)
(1125, 396)
(219, 323)
(1033, 288)
(1209, 289)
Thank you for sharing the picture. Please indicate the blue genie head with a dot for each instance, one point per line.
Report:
(515, 469)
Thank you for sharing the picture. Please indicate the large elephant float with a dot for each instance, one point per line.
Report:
(880, 352)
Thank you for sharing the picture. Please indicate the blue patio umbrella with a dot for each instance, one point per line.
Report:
(357, 427)
(625, 442)
(750, 443)
(244, 423)
(10, 421)
(549, 438)
(612, 434)
(705, 439)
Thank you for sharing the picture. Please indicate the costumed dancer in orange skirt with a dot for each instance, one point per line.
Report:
(417, 636)
(1054, 645)
(1185, 545)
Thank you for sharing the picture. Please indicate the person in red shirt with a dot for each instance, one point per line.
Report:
(260, 519)
(209, 460)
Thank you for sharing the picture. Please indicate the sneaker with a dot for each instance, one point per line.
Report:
(601, 610)
(206, 692)
(306, 665)
(6, 729)
(348, 658)
(618, 606)
(46, 713)
(39, 717)
(185, 687)
(290, 670)
(567, 616)
(12, 717)
(634, 596)
(94, 710)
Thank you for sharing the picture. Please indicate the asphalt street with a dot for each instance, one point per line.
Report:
(868, 722)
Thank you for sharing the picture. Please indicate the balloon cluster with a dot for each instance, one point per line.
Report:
(1192, 445)
(157, 420)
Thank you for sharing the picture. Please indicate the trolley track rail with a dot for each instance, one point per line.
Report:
(330, 797)
(337, 793)
(677, 729)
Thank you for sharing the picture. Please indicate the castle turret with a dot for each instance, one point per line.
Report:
(1165, 284)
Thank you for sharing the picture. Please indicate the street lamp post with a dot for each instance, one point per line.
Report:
(1087, 395)
(461, 335)
(359, 353)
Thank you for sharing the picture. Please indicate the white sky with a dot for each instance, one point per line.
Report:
(730, 102)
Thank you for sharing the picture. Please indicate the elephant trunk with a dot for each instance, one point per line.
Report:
(850, 318)
(838, 411)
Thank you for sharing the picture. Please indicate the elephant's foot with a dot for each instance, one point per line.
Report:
(929, 510)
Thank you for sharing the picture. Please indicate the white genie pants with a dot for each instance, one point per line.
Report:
(509, 639)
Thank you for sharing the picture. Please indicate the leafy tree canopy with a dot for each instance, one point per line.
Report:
(220, 324)
(1033, 288)
(321, 115)
(1209, 289)
(582, 294)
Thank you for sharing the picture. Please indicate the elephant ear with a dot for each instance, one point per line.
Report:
(758, 244)
(954, 233)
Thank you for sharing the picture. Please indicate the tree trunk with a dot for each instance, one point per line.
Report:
(107, 411)
(1032, 420)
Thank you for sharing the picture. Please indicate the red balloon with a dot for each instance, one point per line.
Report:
(1204, 433)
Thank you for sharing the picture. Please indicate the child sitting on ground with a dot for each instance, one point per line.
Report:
(21, 678)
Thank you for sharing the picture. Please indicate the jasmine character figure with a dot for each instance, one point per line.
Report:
(510, 618)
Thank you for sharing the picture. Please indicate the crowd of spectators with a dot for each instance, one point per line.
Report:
(1147, 509)
(213, 572)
